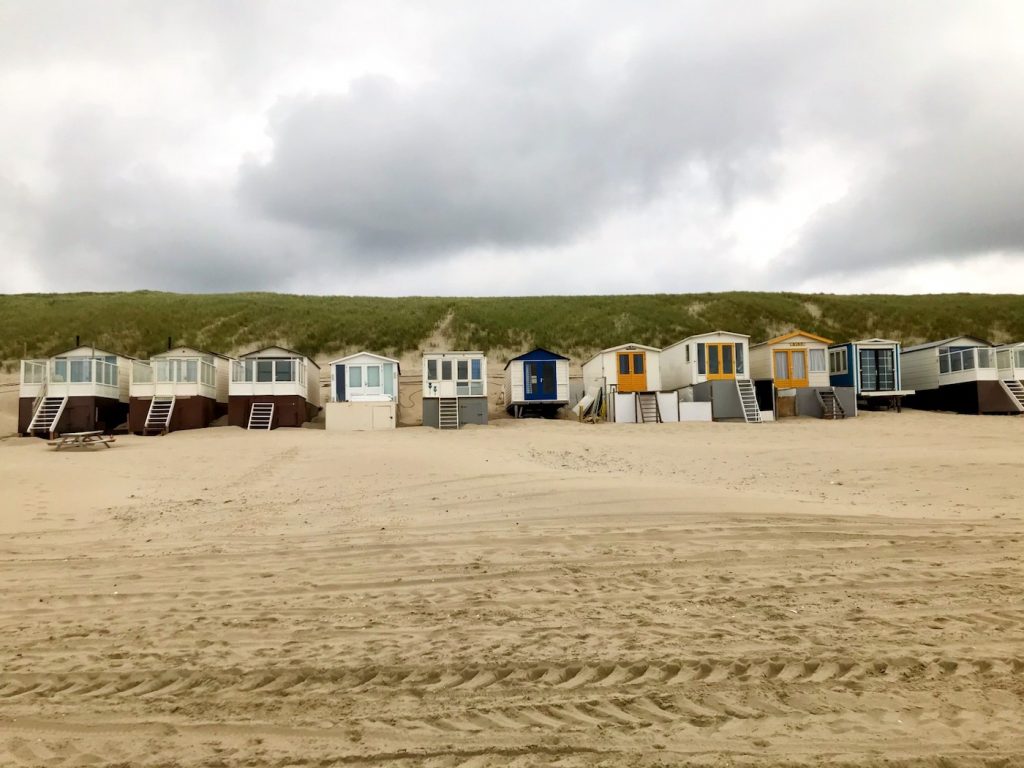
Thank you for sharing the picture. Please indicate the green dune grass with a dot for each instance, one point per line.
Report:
(138, 323)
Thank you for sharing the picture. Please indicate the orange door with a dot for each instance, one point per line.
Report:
(721, 361)
(632, 371)
(790, 368)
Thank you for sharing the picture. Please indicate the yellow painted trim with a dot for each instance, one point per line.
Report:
(792, 334)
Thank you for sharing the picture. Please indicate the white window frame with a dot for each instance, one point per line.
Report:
(810, 360)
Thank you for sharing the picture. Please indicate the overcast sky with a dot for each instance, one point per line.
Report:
(511, 148)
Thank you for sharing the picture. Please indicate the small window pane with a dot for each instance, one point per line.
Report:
(373, 375)
(727, 358)
(191, 371)
(355, 376)
(798, 366)
(624, 364)
(446, 370)
(80, 371)
(638, 363)
(739, 358)
(818, 361)
(713, 359)
(701, 360)
(285, 370)
(431, 370)
(943, 363)
(389, 378)
(264, 370)
(463, 370)
(476, 388)
(475, 369)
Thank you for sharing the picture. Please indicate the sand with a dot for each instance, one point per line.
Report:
(530, 593)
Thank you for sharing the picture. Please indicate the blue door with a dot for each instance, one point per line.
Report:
(539, 380)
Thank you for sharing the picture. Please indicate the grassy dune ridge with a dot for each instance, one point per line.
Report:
(138, 323)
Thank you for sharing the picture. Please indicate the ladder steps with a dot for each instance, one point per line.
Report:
(448, 413)
(47, 415)
(261, 416)
(748, 400)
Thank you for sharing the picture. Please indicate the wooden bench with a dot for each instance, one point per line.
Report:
(81, 440)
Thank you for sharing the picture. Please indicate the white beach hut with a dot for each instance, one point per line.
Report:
(364, 393)
(712, 368)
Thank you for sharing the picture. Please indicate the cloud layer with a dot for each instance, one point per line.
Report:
(488, 149)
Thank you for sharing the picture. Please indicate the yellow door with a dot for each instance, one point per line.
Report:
(632, 368)
(790, 368)
(721, 361)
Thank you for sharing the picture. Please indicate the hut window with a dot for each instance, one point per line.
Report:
(838, 360)
(80, 370)
(285, 370)
(60, 370)
(638, 364)
(463, 370)
(818, 361)
(687, 353)
(446, 370)
(727, 358)
(624, 364)
(475, 369)
(739, 358)
(373, 375)
(1020, 358)
(431, 370)
(702, 365)
(355, 377)
(264, 370)
(191, 371)
(389, 378)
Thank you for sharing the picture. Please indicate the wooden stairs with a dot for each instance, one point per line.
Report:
(647, 409)
(47, 415)
(748, 399)
(261, 416)
(448, 413)
(1016, 390)
(158, 419)
(831, 408)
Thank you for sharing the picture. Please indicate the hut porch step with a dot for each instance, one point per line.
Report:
(831, 408)
(261, 416)
(158, 419)
(748, 399)
(448, 413)
(47, 415)
(647, 409)
(1016, 390)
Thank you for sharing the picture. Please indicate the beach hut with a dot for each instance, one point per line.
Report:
(273, 387)
(872, 368)
(959, 374)
(1010, 361)
(364, 393)
(183, 388)
(712, 368)
(792, 372)
(80, 390)
(454, 389)
(536, 383)
(628, 378)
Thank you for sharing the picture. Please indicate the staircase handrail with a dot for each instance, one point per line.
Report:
(44, 387)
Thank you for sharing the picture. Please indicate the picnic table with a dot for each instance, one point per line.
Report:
(81, 440)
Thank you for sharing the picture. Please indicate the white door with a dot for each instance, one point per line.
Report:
(382, 417)
(446, 384)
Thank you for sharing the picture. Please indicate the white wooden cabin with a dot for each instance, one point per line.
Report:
(959, 374)
(536, 382)
(273, 387)
(363, 394)
(628, 380)
(713, 368)
(183, 388)
(792, 361)
(79, 390)
(454, 389)
(791, 373)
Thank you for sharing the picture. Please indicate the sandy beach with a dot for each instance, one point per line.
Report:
(804, 593)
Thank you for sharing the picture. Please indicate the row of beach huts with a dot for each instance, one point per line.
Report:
(711, 376)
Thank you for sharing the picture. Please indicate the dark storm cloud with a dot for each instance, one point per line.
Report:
(506, 127)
